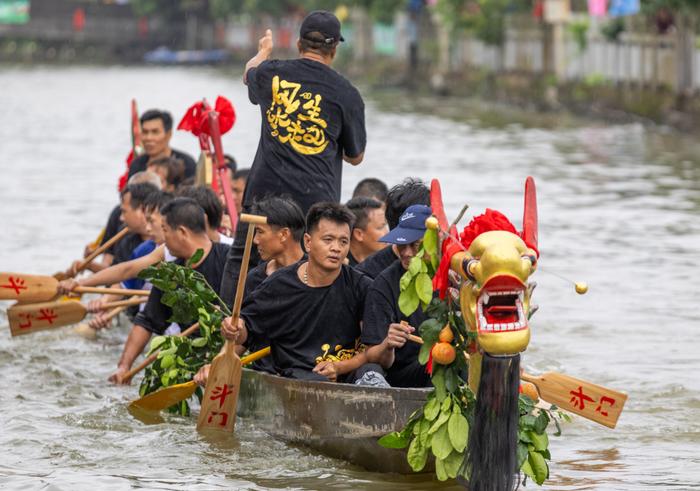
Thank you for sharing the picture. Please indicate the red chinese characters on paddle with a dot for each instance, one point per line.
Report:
(48, 315)
(16, 284)
(27, 322)
(224, 417)
(220, 393)
(579, 398)
(603, 400)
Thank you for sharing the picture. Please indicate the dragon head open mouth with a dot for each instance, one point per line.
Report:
(500, 305)
(495, 298)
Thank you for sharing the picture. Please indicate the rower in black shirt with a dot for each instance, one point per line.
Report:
(370, 225)
(311, 311)
(382, 332)
(156, 131)
(411, 191)
(184, 229)
(279, 244)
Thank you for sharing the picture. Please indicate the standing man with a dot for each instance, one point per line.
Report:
(156, 131)
(312, 120)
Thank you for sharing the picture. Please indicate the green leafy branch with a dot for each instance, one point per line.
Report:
(441, 427)
(416, 286)
(191, 298)
(533, 442)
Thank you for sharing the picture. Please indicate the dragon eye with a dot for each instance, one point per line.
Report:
(469, 267)
(532, 258)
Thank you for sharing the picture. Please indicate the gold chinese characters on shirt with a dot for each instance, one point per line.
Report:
(295, 117)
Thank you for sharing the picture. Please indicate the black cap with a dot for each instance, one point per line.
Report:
(324, 22)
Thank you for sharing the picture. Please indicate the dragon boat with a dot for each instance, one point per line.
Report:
(344, 421)
(489, 283)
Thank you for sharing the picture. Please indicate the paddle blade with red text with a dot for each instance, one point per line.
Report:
(220, 399)
(591, 401)
(27, 288)
(33, 317)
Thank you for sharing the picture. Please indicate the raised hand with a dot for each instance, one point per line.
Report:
(265, 43)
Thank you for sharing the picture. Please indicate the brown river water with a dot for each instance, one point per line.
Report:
(619, 207)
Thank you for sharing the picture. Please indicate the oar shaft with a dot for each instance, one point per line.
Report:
(111, 291)
(114, 312)
(255, 356)
(86, 262)
(124, 303)
(152, 357)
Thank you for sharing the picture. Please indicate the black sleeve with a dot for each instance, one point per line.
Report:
(253, 84)
(353, 137)
(252, 313)
(378, 314)
(154, 316)
(138, 164)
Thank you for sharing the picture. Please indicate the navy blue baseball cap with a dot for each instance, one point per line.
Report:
(323, 22)
(411, 226)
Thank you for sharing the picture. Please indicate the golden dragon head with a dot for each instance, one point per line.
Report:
(495, 295)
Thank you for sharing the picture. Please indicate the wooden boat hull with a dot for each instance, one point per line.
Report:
(339, 420)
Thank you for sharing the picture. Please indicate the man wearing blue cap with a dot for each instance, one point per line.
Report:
(382, 332)
(312, 120)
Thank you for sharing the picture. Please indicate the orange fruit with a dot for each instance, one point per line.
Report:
(444, 353)
(446, 335)
(530, 390)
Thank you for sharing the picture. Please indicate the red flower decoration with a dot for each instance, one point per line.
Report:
(196, 119)
(490, 220)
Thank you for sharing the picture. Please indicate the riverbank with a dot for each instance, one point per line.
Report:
(525, 97)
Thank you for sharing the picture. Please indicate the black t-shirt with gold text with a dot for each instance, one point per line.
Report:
(306, 325)
(311, 115)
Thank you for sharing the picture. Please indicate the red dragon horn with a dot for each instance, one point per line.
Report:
(529, 233)
(437, 206)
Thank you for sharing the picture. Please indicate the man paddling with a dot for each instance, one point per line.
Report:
(279, 244)
(184, 230)
(370, 226)
(311, 311)
(382, 331)
(156, 132)
(312, 120)
(411, 191)
(113, 226)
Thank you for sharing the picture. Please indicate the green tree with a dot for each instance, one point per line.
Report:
(485, 18)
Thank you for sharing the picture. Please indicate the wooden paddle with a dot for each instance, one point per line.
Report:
(592, 401)
(25, 319)
(168, 396)
(86, 262)
(586, 399)
(27, 288)
(218, 410)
